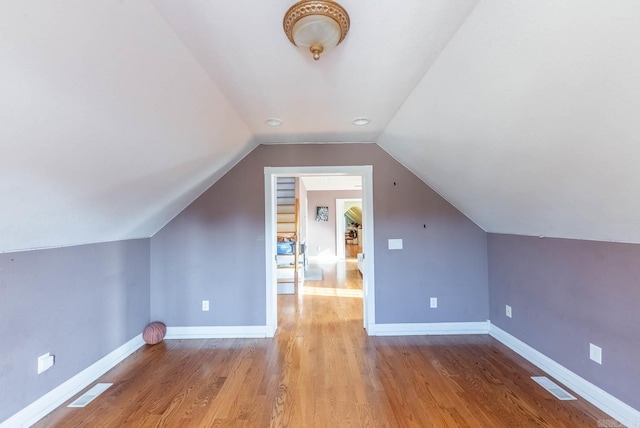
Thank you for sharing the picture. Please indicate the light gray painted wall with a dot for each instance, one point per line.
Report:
(78, 303)
(566, 294)
(215, 248)
(322, 235)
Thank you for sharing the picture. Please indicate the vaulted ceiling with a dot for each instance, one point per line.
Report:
(115, 114)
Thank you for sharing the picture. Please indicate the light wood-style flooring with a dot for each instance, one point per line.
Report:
(322, 370)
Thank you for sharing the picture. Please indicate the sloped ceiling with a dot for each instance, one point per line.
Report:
(109, 126)
(529, 121)
(242, 46)
(115, 114)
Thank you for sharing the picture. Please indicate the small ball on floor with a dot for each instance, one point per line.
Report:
(154, 332)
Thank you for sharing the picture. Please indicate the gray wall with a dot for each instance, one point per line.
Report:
(79, 303)
(566, 294)
(321, 234)
(215, 248)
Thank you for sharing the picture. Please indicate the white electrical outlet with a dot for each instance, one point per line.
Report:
(508, 311)
(433, 302)
(45, 362)
(595, 353)
(205, 305)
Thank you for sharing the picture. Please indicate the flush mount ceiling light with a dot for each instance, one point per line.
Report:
(318, 25)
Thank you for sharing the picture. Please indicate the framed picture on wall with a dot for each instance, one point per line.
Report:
(322, 213)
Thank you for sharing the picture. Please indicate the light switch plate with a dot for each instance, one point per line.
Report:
(395, 244)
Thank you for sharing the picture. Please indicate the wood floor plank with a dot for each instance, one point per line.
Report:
(322, 370)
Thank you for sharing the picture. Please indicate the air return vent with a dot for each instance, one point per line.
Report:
(554, 389)
(90, 395)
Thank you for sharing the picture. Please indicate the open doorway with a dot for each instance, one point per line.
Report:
(368, 280)
(349, 231)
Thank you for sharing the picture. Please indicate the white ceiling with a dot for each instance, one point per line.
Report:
(109, 125)
(529, 122)
(242, 46)
(115, 114)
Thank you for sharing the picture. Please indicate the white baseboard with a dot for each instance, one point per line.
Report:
(604, 401)
(609, 404)
(217, 332)
(436, 328)
(54, 398)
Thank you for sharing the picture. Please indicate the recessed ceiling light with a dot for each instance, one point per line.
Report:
(274, 122)
(360, 121)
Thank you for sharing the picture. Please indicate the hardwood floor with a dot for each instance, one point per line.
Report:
(322, 370)
(352, 250)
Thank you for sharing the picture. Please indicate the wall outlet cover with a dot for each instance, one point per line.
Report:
(433, 302)
(45, 362)
(595, 353)
(508, 311)
(205, 305)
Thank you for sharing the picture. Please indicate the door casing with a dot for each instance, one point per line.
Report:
(368, 278)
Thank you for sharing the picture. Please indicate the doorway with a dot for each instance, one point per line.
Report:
(368, 277)
(349, 230)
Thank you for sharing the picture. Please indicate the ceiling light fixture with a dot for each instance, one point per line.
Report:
(318, 25)
(360, 121)
(273, 122)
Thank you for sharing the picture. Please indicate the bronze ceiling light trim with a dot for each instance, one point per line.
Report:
(318, 25)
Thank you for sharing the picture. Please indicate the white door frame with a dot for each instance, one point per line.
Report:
(368, 278)
(341, 227)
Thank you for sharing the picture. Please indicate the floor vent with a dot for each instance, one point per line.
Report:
(90, 395)
(554, 389)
